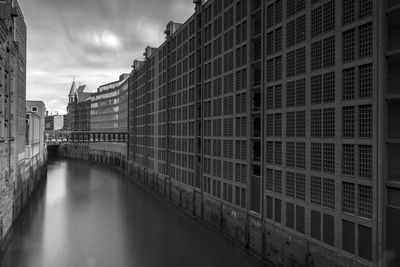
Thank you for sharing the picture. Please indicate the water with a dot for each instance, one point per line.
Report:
(87, 215)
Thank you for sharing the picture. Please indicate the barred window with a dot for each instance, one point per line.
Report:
(278, 40)
(291, 94)
(329, 158)
(290, 177)
(349, 11)
(365, 161)
(228, 105)
(290, 8)
(329, 87)
(228, 149)
(365, 81)
(300, 155)
(365, 201)
(270, 16)
(300, 5)
(316, 89)
(278, 125)
(270, 70)
(301, 29)
(329, 193)
(349, 198)
(269, 180)
(316, 190)
(301, 93)
(270, 152)
(278, 68)
(349, 84)
(278, 11)
(278, 181)
(300, 186)
(316, 125)
(300, 123)
(365, 8)
(270, 98)
(329, 16)
(291, 64)
(365, 40)
(316, 55)
(365, 121)
(270, 125)
(290, 124)
(348, 121)
(278, 153)
(278, 96)
(270, 43)
(329, 51)
(349, 45)
(329, 122)
(290, 33)
(316, 21)
(290, 154)
(316, 156)
(228, 18)
(348, 161)
(301, 60)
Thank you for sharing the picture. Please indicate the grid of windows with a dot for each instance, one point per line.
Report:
(348, 159)
(348, 198)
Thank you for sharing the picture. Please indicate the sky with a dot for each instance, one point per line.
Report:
(92, 40)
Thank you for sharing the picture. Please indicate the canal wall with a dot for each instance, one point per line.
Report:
(14, 201)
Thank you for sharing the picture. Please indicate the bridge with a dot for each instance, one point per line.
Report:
(60, 136)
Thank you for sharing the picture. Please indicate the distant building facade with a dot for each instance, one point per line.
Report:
(54, 122)
(35, 127)
(109, 107)
(78, 109)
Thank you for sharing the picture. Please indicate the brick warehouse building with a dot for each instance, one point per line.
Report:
(269, 112)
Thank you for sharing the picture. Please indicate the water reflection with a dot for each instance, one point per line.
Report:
(91, 216)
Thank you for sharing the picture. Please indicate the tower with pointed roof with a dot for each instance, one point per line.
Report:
(72, 92)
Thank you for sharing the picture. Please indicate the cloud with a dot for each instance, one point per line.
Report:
(94, 40)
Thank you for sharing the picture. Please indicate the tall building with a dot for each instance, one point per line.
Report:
(78, 109)
(109, 107)
(12, 111)
(283, 113)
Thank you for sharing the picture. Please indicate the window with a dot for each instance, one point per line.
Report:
(365, 201)
(365, 121)
(329, 158)
(349, 11)
(348, 199)
(349, 45)
(329, 193)
(300, 123)
(329, 51)
(316, 89)
(290, 184)
(300, 155)
(316, 156)
(329, 122)
(365, 40)
(349, 84)
(365, 81)
(348, 159)
(34, 109)
(365, 8)
(316, 21)
(300, 187)
(316, 125)
(329, 16)
(365, 161)
(316, 55)
(278, 181)
(316, 190)
(290, 124)
(348, 121)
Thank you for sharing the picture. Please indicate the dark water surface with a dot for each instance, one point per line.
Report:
(91, 216)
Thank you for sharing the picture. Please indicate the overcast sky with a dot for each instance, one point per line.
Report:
(93, 40)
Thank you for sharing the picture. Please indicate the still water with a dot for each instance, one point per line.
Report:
(88, 215)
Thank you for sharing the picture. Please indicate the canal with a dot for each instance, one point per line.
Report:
(87, 215)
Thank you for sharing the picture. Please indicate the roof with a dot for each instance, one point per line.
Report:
(73, 89)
